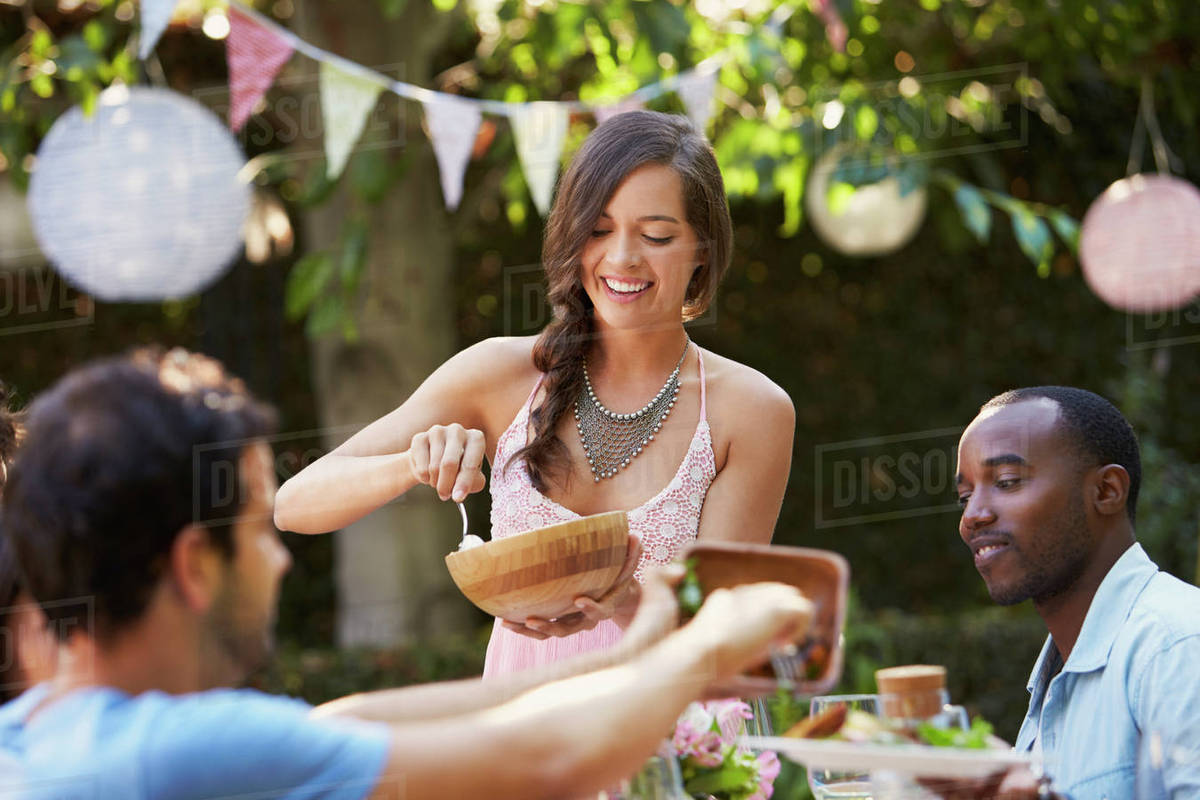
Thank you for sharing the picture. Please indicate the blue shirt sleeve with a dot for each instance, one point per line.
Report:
(1167, 705)
(242, 743)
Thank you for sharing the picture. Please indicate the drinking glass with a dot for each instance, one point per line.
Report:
(760, 723)
(833, 785)
(658, 779)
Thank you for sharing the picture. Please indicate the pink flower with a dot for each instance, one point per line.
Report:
(710, 753)
(695, 736)
(731, 716)
(768, 771)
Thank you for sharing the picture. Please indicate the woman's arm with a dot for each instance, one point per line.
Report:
(743, 501)
(452, 416)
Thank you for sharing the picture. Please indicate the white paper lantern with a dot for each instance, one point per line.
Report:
(140, 201)
(876, 221)
(1139, 244)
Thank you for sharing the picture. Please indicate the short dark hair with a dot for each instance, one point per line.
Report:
(118, 457)
(1099, 432)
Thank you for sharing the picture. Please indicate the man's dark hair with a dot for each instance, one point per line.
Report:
(1099, 433)
(118, 457)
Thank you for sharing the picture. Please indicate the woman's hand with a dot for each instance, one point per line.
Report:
(450, 459)
(619, 604)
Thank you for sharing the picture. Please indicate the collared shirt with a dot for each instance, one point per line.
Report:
(1128, 696)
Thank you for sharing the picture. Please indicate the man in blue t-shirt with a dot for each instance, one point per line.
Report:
(140, 511)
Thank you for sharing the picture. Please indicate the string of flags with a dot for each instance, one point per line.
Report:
(257, 48)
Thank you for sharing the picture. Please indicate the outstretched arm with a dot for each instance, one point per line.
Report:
(657, 615)
(578, 735)
(439, 436)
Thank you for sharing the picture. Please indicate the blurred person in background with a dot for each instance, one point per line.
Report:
(27, 649)
(145, 492)
(636, 244)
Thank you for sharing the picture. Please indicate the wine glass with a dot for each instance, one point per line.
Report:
(839, 785)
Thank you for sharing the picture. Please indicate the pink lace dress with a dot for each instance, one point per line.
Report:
(665, 523)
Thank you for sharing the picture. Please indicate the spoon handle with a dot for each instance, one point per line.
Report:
(463, 510)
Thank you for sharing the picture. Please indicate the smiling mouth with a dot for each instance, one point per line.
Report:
(988, 551)
(625, 287)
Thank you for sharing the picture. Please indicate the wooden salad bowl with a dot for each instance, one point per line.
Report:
(539, 573)
(822, 575)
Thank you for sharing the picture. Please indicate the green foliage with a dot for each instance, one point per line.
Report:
(977, 216)
(1029, 220)
(325, 290)
(51, 69)
(786, 95)
(974, 738)
(320, 675)
(1168, 520)
(306, 282)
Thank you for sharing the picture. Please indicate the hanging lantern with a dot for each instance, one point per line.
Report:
(140, 201)
(1139, 244)
(875, 220)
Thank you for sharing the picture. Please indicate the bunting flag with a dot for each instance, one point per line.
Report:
(155, 16)
(453, 124)
(255, 55)
(258, 47)
(696, 90)
(540, 129)
(346, 100)
(605, 113)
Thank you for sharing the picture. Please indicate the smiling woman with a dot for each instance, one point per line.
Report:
(611, 407)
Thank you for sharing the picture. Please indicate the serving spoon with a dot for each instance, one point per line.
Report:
(469, 540)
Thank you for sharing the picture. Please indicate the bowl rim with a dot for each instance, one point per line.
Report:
(494, 547)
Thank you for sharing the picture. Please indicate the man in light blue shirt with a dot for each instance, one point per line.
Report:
(140, 512)
(1048, 480)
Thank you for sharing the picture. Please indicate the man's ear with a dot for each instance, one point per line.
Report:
(194, 568)
(1111, 489)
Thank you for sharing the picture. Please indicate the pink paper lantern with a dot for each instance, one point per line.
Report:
(1140, 244)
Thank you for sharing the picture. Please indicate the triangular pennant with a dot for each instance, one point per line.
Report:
(453, 124)
(605, 113)
(155, 16)
(346, 100)
(696, 90)
(540, 129)
(255, 55)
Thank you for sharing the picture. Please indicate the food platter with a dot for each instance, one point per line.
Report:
(911, 759)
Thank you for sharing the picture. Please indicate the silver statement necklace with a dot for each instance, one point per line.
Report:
(612, 440)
